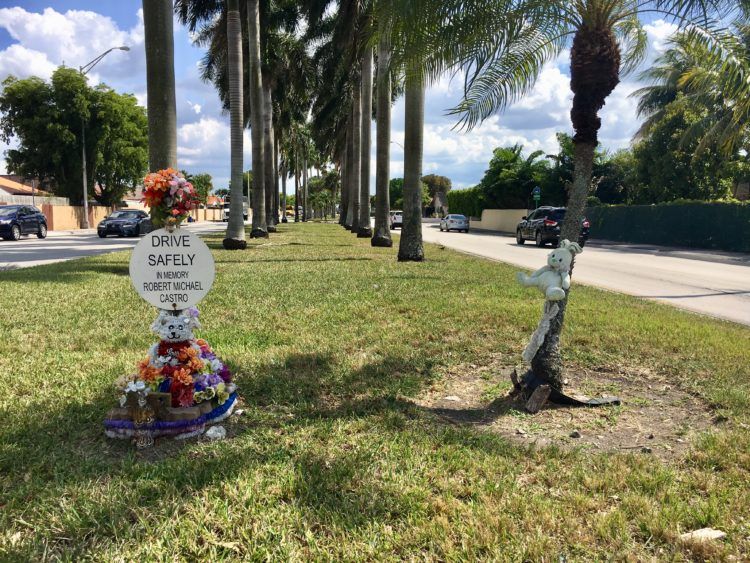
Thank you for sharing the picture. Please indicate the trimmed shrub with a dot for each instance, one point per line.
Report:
(467, 202)
(720, 226)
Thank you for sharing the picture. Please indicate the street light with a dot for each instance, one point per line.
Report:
(84, 70)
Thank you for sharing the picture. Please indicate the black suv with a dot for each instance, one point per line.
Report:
(17, 220)
(543, 226)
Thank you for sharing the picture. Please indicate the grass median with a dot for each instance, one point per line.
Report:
(333, 343)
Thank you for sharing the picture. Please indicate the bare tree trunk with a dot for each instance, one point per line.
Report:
(162, 112)
(235, 237)
(260, 229)
(364, 230)
(382, 235)
(296, 186)
(410, 246)
(268, 164)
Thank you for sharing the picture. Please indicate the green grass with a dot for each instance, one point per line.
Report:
(329, 338)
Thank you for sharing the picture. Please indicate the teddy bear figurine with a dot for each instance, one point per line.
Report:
(553, 280)
(176, 334)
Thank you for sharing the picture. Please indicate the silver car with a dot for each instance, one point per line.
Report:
(454, 223)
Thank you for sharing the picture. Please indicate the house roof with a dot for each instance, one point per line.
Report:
(14, 188)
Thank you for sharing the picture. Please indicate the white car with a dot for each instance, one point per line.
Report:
(455, 223)
(397, 219)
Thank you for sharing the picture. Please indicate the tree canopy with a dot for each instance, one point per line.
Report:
(46, 120)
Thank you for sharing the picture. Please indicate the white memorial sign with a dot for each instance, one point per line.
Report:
(172, 271)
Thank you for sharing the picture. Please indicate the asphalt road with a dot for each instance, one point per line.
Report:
(712, 283)
(58, 247)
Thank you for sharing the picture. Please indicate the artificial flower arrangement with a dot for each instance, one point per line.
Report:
(169, 196)
(178, 389)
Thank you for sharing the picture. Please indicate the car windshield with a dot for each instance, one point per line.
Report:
(7, 211)
(124, 215)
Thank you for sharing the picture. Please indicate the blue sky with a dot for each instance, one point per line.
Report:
(36, 36)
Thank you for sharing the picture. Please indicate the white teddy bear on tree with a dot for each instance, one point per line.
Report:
(553, 280)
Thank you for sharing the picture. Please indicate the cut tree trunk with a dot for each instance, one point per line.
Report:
(410, 246)
(382, 235)
(260, 229)
(235, 237)
(364, 230)
(160, 88)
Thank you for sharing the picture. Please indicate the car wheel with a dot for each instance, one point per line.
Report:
(519, 237)
(42, 233)
(102, 235)
(15, 232)
(538, 239)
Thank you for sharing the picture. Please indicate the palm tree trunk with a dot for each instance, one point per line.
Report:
(344, 203)
(364, 230)
(382, 235)
(356, 156)
(268, 165)
(276, 202)
(305, 211)
(260, 229)
(410, 247)
(594, 73)
(296, 187)
(162, 112)
(350, 175)
(235, 239)
(283, 194)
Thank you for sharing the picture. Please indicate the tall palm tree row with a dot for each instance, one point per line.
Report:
(364, 230)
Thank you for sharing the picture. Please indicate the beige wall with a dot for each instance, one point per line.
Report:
(68, 217)
(503, 220)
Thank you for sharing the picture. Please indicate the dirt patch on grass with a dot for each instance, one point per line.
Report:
(655, 417)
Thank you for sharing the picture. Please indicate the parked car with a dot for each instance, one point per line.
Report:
(543, 226)
(125, 223)
(227, 204)
(455, 222)
(17, 220)
(397, 219)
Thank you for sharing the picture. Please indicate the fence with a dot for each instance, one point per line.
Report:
(721, 226)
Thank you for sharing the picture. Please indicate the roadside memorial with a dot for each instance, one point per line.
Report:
(553, 281)
(181, 387)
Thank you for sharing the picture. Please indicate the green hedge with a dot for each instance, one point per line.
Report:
(721, 226)
(466, 202)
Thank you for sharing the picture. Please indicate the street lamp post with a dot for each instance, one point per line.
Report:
(84, 70)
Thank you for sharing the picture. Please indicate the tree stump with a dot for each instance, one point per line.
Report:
(538, 398)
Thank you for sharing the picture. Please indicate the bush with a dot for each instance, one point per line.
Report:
(467, 202)
(721, 226)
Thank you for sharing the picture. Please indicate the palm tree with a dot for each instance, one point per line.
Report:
(502, 46)
(364, 230)
(260, 228)
(268, 163)
(162, 112)
(708, 73)
(235, 238)
(354, 158)
(410, 246)
(382, 235)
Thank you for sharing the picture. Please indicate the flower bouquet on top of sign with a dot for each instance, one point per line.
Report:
(169, 196)
(181, 386)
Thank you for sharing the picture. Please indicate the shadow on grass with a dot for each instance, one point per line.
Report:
(67, 272)
(336, 487)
